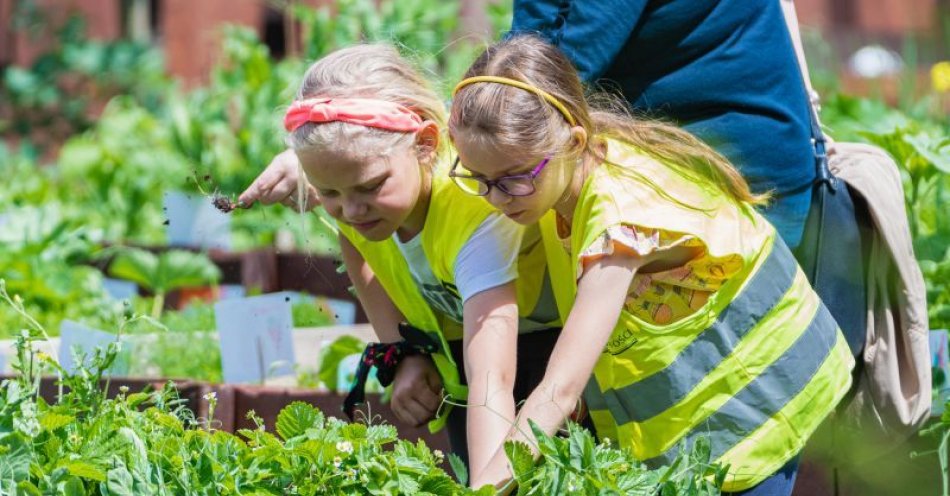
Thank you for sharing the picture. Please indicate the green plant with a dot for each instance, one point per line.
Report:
(57, 95)
(331, 356)
(424, 30)
(84, 443)
(25, 183)
(148, 443)
(312, 312)
(164, 272)
(113, 176)
(184, 344)
(44, 257)
(575, 464)
(941, 430)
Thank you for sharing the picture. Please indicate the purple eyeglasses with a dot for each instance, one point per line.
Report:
(516, 185)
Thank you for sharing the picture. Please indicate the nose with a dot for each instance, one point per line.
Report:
(498, 198)
(354, 209)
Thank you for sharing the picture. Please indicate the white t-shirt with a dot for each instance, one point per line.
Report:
(487, 260)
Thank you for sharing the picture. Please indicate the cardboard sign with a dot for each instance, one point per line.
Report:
(941, 370)
(193, 221)
(255, 337)
(84, 340)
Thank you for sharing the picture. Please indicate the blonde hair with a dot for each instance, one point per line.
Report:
(508, 118)
(375, 71)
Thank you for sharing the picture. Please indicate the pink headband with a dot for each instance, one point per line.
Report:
(363, 111)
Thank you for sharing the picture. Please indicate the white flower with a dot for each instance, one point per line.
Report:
(337, 461)
(210, 396)
(344, 446)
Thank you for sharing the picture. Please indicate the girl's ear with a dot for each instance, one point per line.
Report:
(427, 142)
(578, 138)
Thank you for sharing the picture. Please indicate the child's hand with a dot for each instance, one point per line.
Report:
(497, 474)
(278, 184)
(417, 390)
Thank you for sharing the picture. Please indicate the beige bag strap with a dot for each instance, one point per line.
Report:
(791, 20)
(823, 175)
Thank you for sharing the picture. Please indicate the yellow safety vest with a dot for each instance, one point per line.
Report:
(756, 369)
(452, 217)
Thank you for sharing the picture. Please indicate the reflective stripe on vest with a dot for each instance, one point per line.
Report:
(653, 412)
(757, 402)
(668, 386)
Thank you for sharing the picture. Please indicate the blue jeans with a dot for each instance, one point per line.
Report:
(780, 483)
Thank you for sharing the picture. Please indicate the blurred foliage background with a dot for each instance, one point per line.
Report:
(96, 131)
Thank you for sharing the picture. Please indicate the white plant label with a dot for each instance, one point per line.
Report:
(255, 337)
(193, 221)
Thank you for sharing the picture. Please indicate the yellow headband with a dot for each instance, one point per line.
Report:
(519, 84)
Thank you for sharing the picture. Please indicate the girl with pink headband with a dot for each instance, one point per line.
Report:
(434, 267)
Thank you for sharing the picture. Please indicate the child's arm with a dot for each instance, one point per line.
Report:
(417, 387)
(601, 293)
(380, 309)
(490, 341)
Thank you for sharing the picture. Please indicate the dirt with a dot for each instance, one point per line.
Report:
(224, 204)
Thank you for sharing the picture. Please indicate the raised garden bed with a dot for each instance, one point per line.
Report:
(267, 271)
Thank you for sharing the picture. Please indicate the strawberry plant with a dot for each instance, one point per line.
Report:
(148, 443)
(84, 443)
(576, 464)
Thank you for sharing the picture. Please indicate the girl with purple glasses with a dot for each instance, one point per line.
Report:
(686, 315)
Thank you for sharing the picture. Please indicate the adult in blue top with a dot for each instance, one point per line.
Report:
(724, 70)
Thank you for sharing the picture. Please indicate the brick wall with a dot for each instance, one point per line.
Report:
(102, 17)
(191, 32)
(895, 17)
(872, 17)
(6, 31)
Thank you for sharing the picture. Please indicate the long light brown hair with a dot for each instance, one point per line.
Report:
(512, 119)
